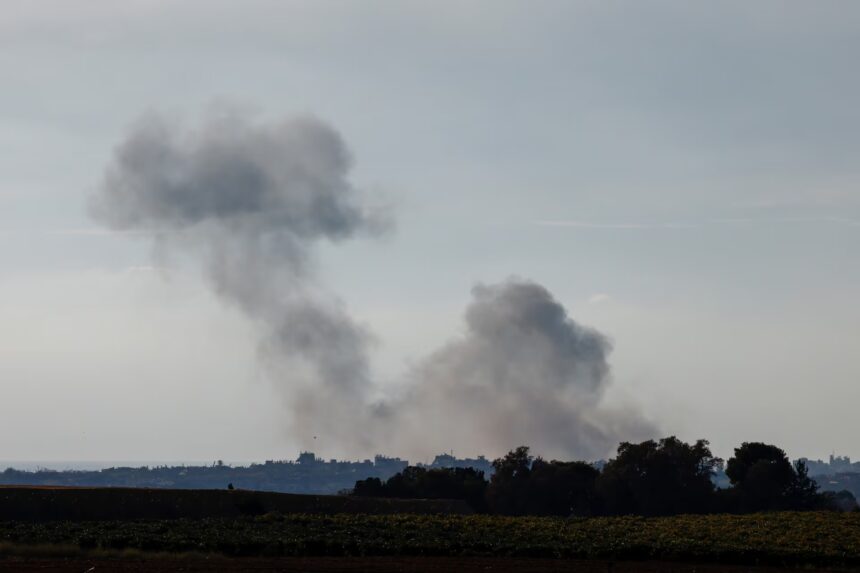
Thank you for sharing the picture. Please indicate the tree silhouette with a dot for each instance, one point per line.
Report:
(522, 485)
(764, 479)
(659, 478)
(436, 483)
(562, 488)
(508, 491)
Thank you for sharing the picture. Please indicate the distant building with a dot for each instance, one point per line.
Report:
(449, 461)
(395, 465)
(835, 464)
(840, 463)
(308, 458)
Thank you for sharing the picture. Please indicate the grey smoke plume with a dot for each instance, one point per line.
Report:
(523, 373)
(250, 200)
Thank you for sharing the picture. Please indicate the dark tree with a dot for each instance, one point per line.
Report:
(562, 488)
(659, 478)
(803, 492)
(763, 479)
(522, 485)
(508, 491)
(437, 483)
(840, 500)
(370, 487)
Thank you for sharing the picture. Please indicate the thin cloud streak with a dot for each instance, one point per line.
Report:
(95, 232)
(733, 221)
(789, 220)
(599, 298)
(618, 226)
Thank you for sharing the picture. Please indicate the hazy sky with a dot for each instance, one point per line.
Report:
(682, 176)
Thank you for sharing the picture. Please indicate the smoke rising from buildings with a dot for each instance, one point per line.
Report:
(249, 200)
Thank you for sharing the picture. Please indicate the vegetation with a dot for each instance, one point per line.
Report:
(652, 478)
(467, 484)
(668, 477)
(540, 510)
(763, 478)
(525, 486)
(789, 538)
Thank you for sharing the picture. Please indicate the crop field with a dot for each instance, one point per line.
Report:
(779, 539)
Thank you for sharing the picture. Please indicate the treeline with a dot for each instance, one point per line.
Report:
(665, 477)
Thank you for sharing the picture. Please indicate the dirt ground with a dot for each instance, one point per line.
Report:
(366, 564)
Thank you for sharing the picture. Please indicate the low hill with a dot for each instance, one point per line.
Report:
(80, 503)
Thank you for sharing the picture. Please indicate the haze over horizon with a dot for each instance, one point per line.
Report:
(667, 193)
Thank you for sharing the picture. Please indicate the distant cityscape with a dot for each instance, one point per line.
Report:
(313, 475)
(835, 465)
(836, 474)
(307, 474)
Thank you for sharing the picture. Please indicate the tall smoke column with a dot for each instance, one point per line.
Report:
(523, 373)
(250, 200)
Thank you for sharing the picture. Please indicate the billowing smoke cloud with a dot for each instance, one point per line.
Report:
(250, 200)
(523, 373)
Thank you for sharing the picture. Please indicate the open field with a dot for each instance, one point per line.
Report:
(779, 539)
(38, 503)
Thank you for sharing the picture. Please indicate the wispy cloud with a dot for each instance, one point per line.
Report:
(727, 221)
(96, 232)
(599, 298)
(613, 225)
(788, 220)
(142, 269)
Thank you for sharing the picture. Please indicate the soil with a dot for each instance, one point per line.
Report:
(364, 564)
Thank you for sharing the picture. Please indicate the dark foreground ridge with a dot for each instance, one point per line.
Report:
(139, 564)
(70, 503)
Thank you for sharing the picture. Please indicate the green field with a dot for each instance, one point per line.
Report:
(795, 539)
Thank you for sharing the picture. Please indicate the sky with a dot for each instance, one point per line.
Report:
(681, 176)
